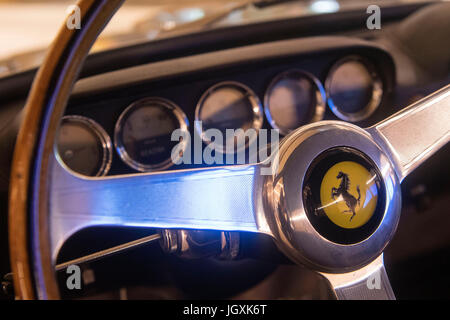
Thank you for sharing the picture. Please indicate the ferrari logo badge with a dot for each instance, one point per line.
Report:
(348, 194)
(342, 190)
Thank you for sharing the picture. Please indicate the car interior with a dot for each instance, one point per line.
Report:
(91, 174)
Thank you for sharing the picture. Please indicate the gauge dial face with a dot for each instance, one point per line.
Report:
(84, 146)
(354, 89)
(228, 105)
(294, 98)
(143, 133)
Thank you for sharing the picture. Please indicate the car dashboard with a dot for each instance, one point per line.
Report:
(230, 84)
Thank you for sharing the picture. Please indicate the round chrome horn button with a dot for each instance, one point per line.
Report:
(329, 239)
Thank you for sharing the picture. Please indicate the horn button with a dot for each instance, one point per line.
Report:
(344, 195)
(334, 200)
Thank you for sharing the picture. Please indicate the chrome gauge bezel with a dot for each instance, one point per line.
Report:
(118, 130)
(377, 90)
(257, 110)
(100, 133)
(321, 98)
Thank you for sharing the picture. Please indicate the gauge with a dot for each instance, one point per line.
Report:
(354, 90)
(228, 105)
(84, 146)
(143, 133)
(294, 98)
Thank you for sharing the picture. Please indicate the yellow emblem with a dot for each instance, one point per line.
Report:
(348, 194)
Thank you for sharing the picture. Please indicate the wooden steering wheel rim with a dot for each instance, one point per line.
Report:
(29, 241)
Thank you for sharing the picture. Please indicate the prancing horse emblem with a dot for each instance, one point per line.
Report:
(350, 200)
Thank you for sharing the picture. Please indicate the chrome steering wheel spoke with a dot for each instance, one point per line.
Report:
(368, 283)
(218, 198)
(415, 133)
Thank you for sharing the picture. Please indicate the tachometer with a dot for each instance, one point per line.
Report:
(84, 146)
(143, 133)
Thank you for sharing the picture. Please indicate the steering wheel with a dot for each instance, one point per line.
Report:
(303, 200)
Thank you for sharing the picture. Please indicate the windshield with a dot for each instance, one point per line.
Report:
(29, 26)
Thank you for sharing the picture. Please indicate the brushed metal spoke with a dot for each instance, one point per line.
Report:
(220, 198)
(368, 283)
(415, 133)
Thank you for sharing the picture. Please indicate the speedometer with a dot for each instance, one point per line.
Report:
(143, 133)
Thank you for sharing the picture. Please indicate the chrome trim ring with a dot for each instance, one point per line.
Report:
(288, 219)
(118, 130)
(319, 108)
(102, 136)
(257, 110)
(377, 91)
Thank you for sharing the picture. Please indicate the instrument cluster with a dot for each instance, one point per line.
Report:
(352, 91)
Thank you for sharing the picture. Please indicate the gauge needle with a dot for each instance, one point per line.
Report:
(68, 154)
(108, 252)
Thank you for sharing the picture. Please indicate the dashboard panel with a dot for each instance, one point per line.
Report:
(282, 85)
